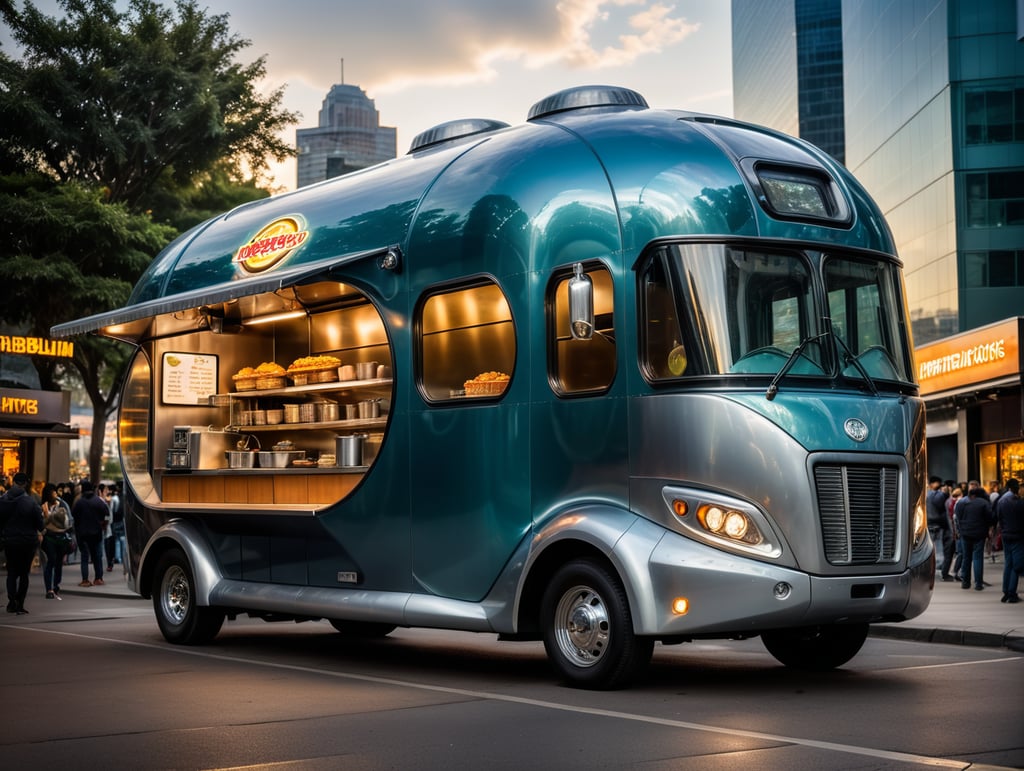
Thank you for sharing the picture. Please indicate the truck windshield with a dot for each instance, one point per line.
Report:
(717, 309)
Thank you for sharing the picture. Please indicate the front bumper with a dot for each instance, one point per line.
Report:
(729, 595)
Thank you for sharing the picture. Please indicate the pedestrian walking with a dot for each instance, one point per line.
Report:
(56, 539)
(21, 521)
(1010, 514)
(975, 521)
(939, 526)
(90, 513)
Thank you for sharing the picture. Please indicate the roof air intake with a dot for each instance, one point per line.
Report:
(586, 96)
(454, 129)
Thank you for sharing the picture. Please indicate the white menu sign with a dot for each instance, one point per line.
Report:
(189, 378)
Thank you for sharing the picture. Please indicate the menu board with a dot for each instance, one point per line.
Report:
(188, 378)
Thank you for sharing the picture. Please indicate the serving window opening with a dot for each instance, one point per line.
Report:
(279, 400)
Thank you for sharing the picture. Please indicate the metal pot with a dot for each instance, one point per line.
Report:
(327, 411)
(349, 449)
(277, 459)
(369, 408)
(366, 370)
(240, 458)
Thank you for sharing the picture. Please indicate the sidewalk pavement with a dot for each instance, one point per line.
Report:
(955, 616)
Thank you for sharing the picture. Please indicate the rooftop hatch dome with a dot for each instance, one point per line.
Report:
(579, 97)
(454, 129)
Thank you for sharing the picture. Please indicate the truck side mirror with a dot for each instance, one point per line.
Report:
(581, 304)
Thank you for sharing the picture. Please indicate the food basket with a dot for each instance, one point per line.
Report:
(486, 387)
(245, 382)
(265, 382)
(307, 376)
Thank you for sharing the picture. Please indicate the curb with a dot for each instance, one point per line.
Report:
(949, 636)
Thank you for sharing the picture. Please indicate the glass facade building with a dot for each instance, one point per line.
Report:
(933, 117)
(795, 84)
(349, 137)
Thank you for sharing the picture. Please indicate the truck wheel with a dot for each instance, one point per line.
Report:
(816, 648)
(588, 629)
(181, 620)
(366, 630)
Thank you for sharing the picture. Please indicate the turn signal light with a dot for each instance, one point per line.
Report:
(680, 606)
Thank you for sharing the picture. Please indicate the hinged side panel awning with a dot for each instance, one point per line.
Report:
(217, 293)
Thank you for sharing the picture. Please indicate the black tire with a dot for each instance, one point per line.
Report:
(181, 620)
(816, 648)
(365, 630)
(588, 629)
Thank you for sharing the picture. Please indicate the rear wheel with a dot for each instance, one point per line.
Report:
(816, 648)
(363, 629)
(180, 619)
(588, 628)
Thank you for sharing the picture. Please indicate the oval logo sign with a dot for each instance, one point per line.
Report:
(856, 429)
(271, 245)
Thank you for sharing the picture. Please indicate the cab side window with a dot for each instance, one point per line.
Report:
(467, 343)
(582, 366)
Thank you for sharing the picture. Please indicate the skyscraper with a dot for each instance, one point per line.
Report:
(933, 117)
(788, 68)
(348, 137)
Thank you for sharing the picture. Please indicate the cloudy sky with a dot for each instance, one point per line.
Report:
(427, 62)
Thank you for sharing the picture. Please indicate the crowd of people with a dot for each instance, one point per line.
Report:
(969, 523)
(58, 522)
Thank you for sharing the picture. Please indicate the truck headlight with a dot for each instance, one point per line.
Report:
(920, 525)
(722, 520)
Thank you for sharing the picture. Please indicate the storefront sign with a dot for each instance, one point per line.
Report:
(973, 358)
(36, 346)
(271, 245)
(18, 405)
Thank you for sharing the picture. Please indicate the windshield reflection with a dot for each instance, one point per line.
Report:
(718, 309)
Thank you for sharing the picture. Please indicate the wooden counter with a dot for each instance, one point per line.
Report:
(316, 487)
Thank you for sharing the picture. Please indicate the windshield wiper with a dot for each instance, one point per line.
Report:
(852, 359)
(773, 387)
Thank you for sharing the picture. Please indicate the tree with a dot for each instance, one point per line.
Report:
(120, 100)
(109, 122)
(67, 252)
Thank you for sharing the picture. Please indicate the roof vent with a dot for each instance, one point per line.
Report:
(586, 96)
(454, 129)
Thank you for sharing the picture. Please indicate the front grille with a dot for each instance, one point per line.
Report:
(858, 505)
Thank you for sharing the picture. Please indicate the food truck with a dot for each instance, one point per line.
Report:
(610, 377)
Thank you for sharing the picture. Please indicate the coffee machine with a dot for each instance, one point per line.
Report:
(181, 454)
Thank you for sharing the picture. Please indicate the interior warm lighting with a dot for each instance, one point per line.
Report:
(272, 317)
(680, 606)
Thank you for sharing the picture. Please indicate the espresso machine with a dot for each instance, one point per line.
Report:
(181, 454)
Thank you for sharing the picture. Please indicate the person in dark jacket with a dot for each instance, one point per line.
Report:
(1010, 513)
(22, 520)
(975, 520)
(90, 515)
(940, 527)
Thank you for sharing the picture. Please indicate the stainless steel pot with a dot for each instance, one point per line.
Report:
(240, 458)
(369, 408)
(327, 411)
(366, 370)
(349, 449)
(277, 459)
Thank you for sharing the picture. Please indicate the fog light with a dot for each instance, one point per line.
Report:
(680, 606)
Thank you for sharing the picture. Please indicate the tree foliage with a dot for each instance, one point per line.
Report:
(110, 123)
(120, 100)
